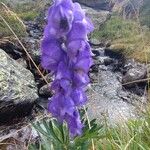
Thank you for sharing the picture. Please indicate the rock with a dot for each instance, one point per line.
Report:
(98, 17)
(33, 47)
(49, 78)
(99, 4)
(108, 100)
(22, 62)
(128, 9)
(134, 74)
(18, 90)
(11, 47)
(96, 42)
(105, 60)
(45, 91)
(94, 77)
(94, 68)
(25, 2)
(134, 71)
(98, 52)
(35, 28)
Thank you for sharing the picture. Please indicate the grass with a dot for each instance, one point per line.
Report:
(13, 20)
(134, 135)
(27, 11)
(125, 37)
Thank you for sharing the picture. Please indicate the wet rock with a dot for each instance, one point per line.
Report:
(45, 91)
(99, 4)
(34, 28)
(109, 101)
(49, 78)
(99, 52)
(43, 103)
(134, 71)
(94, 77)
(94, 68)
(105, 60)
(18, 90)
(96, 42)
(134, 74)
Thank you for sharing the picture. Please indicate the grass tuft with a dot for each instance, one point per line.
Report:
(14, 21)
(125, 37)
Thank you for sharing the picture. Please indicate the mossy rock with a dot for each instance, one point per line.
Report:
(17, 88)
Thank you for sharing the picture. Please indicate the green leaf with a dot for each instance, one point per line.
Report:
(56, 132)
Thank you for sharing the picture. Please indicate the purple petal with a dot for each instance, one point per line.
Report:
(74, 123)
(79, 97)
(51, 54)
(63, 71)
(59, 106)
(78, 32)
(73, 48)
(80, 79)
(60, 17)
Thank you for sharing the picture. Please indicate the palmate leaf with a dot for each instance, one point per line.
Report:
(38, 127)
(55, 131)
(56, 135)
(52, 133)
(88, 134)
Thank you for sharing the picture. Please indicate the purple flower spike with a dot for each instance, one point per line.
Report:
(60, 17)
(66, 52)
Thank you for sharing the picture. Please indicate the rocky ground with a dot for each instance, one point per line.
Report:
(24, 93)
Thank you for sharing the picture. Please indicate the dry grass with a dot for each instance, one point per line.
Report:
(14, 21)
(126, 37)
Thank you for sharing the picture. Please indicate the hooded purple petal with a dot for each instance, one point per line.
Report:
(60, 105)
(51, 54)
(60, 17)
(79, 97)
(74, 123)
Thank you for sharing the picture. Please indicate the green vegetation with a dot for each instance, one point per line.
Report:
(27, 16)
(55, 136)
(27, 11)
(13, 21)
(126, 36)
(133, 135)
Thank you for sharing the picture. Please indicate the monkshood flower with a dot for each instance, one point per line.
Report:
(66, 53)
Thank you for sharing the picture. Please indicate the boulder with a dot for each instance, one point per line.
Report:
(99, 4)
(134, 71)
(109, 101)
(18, 90)
(98, 17)
(128, 9)
(45, 91)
